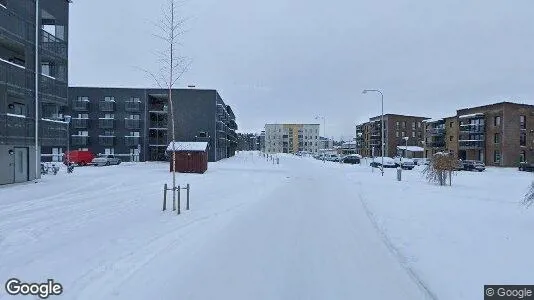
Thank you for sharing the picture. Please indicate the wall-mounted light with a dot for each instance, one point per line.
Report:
(11, 106)
(11, 152)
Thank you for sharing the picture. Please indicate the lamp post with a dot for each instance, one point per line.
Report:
(324, 133)
(424, 149)
(406, 147)
(381, 125)
(67, 119)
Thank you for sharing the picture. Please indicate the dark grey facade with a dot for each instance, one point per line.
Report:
(134, 124)
(19, 156)
(248, 142)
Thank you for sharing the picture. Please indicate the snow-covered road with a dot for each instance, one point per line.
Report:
(303, 229)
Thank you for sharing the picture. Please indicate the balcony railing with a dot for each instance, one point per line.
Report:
(471, 144)
(132, 123)
(53, 44)
(132, 106)
(107, 106)
(80, 105)
(53, 133)
(440, 144)
(158, 108)
(53, 89)
(159, 125)
(468, 128)
(79, 140)
(80, 123)
(13, 24)
(436, 131)
(15, 76)
(16, 129)
(106, 123)
(131, 141)
(106, 140)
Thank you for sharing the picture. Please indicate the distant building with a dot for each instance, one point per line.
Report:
(500, 134)
(291, 138)
(134, 124)
(248, 142)
(397, 128)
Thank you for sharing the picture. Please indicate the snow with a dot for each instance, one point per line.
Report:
(470, 116)
(433, 120)
(188, 146)
(16, 115)
(411, 148)
(303, 229)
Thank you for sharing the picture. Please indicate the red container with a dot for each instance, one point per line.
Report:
(79, 157)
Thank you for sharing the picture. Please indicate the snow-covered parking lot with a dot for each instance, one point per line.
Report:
(303, 229)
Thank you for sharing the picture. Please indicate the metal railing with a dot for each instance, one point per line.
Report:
(79, 105)
(469, 128)
(15, 76)
(131, 141)
(14, 24)
(132, 106)
(53, 89)
(106, 106)
(79, 140)
(471, 144)
(106, 123)
(53, 44)
(106, 140)
(132, 123)
(80, 123)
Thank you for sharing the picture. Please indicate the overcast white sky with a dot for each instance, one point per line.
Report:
(289, 60)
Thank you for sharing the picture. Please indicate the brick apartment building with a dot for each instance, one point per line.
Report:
(396, 128)
(500, 134)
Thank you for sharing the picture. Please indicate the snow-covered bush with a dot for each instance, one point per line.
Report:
(529, 196)
(440, 168)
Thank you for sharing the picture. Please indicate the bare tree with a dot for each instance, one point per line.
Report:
(529, 196)
(170, 29)
(440, 168)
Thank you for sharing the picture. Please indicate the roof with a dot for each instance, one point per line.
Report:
(434, 120)
(497, 104)
(471, 115)
(187, 146)
(411, 148)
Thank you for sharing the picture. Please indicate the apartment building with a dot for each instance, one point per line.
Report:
(399, 131)
(500, 134)
(28, 68)
(134, 124)
(291, 138)
(248, 142)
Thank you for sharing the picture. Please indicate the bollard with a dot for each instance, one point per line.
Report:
(178, 188)
(173, 201)
(277, 160)
(399, 174)
(187, 206)
(165, 197)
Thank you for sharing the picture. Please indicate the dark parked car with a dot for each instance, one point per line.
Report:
(351, 160)
(527, 167)
(473, 165)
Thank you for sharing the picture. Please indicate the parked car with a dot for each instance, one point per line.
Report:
(106, 160)
(421, 161)
(388, 162)
(473, 165)
(351, 159)
(79, 157)
(527, 167)
(404, 163)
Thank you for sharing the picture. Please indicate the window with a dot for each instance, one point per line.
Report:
(413, 134)
(135, 99)
(413, 125)
(403, 134)
(450, 138)
(403, 124)
(17, 108)
(523, 139)
(522, 122)
(83, 116)
(202, 134)
(496, 139)
(497, 121)
(134, 117)
(450, 124)
(397, 125)
(497, 156)
(109, 99)
(418, 124)
(397, 134)
(109, 116)
(109, 133)
(522, 156)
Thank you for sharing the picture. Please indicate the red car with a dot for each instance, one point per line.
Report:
(81, 158)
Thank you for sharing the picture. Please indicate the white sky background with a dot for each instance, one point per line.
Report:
(289, 60)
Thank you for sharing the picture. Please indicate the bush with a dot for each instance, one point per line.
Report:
(529, 196)
(440, 168)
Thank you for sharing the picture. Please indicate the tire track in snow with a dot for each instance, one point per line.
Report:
(401, 259)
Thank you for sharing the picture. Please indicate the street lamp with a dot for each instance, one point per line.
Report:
(381, 125)
(406, 147)
(67, 119)
(324, 133)
(424, 149)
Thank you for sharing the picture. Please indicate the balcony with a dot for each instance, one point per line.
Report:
(132, 123)
(438, 144)
(53, 133)
(13, 24)
(471, 144)
(16, 77)
(469, 128)
(132, 106)
(106, 123)
(53, 90)
(436, 131)
(80, 105)
(16, 129)
(107, 106)
(53, 44)
(80, 123)
(106, 140)
(131, 141)
(79, 140)
(158, 108)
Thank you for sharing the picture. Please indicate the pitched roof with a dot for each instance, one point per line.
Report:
(187, 146)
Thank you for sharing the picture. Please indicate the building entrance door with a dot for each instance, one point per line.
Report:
(21, 164)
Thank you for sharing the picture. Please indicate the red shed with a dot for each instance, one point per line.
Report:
(191, 157)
